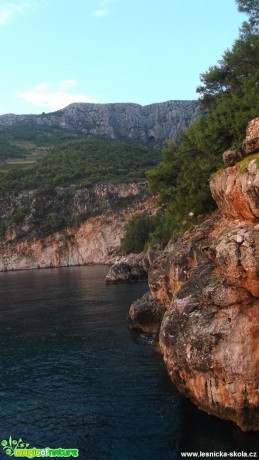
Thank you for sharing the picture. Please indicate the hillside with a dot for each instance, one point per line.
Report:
(23, 139)
(53, 181)
(82, 162)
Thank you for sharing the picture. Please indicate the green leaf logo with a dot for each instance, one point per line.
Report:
(10, 445)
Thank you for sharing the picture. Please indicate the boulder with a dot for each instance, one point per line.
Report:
(231, 157)
(146, 314)
(251, 142)
(123, 272)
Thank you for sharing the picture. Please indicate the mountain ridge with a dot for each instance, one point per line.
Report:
(155, 122)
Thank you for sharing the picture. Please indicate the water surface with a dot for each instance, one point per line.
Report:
(73, 375)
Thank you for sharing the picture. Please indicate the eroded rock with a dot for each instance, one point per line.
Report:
(231, 157)
(146, 314)
(251, 143)
(236, 254)
(123, 272)
(237, 193)
(103, 210)
(179, 261)
(207, 283)
(212, 354)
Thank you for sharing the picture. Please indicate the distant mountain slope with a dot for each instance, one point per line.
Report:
(124, 121)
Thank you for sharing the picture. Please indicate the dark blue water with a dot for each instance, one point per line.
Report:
(73, 375)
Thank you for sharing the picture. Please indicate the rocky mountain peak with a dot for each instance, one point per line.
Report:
(122, 121)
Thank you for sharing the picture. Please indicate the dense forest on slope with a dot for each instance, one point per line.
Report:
(22, 139)
(37, 134)
(229, 99)
(84, 162)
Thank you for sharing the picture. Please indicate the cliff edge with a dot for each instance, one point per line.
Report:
(99, 215)
(203, 299)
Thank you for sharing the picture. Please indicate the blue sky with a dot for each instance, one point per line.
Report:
(54, 52)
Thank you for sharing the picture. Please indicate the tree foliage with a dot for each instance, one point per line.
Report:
(250, 7)
(83, 162)
(9, 150)
(137, 233)
(229, 99)
(22, 139)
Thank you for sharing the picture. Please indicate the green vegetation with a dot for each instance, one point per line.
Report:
(52, 223)
(17, 217)
(83, 162)
(137, 233)
(229, 99)
(250, 7)
(8, 150)
(79, 161)
(34, 134)
(243, 165)
(23, 143)
(4, 168)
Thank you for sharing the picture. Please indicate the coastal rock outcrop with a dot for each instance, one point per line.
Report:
(146, 314)
(171, 268)
(126, 271)
(211, 348)
(208, 283)
(131, 268)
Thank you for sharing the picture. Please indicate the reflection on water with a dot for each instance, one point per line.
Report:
(73, 375)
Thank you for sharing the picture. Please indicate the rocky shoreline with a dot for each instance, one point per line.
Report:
(204, 299)
(203, 304)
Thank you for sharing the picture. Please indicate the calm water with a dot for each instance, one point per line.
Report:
(73, 375)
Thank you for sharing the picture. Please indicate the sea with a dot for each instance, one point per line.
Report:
(74, 376)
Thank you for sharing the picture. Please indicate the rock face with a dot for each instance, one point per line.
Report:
(211, 352)
(146, 314)
(105, 211)
(123, 272)
(150, 123)
(231, 157)
(131, 268)
(237, 193)
(208, 282)
(251, 143)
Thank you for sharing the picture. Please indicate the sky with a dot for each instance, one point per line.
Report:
(56, 52)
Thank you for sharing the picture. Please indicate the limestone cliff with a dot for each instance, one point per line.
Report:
(125, 121)
(207, 283)
(103, 210)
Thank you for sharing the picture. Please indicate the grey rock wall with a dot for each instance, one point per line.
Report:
(124, 121)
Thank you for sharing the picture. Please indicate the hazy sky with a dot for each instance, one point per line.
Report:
(54, 52)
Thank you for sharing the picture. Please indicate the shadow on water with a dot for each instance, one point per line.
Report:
(74, 375)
